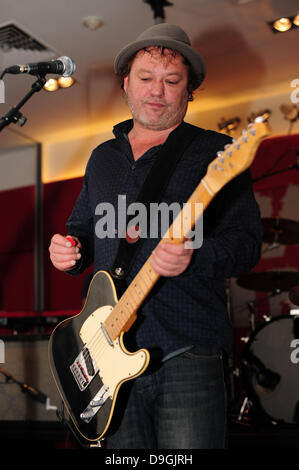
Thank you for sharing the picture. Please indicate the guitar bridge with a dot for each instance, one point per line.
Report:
(84, 369)
(95, 404)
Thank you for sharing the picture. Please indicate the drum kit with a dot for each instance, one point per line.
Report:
(269, 363)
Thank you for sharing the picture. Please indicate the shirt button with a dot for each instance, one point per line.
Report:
(133, 167)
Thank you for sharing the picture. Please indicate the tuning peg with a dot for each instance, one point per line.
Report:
(220, 157)
(228, 151)
(252, 130)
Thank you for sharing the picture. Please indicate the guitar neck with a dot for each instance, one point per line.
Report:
(125, 312)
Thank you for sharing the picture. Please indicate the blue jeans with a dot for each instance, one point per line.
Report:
(181, 405)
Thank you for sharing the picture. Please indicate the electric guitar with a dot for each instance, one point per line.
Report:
(87, 356)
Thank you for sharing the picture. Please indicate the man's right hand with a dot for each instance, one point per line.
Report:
(62, 254)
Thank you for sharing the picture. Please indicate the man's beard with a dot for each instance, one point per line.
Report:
(167, 119)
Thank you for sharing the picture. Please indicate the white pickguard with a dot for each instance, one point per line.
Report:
(115, 363)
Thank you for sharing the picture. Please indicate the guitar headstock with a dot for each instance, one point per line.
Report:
(236, 157)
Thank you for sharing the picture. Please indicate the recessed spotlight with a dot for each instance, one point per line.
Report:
(51, 85)
(65, 82)
(92, 22)
(283, 24)
(296, 20)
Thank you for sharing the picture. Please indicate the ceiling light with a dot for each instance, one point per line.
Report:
(283, 24)
(296, 20)
(229, 125)
(65, 82)
(264, 114)
(291, 114)
(92, 22)
(51, 85)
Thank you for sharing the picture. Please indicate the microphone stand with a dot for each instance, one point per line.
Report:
(14, 115)
(31, 391)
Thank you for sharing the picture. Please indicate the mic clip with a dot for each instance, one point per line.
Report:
(14, 115)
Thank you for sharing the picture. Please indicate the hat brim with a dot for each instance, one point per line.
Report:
(195, 59)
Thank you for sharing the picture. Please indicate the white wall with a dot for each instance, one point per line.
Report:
(17, 167)
(66, 155)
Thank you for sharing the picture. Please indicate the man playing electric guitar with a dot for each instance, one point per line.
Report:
(179, 402)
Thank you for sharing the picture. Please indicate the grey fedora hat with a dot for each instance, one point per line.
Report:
(165, 35)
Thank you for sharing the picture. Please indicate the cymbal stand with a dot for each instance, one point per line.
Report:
(252, 307)
(275, 244)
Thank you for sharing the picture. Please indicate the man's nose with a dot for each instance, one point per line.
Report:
(157, 88)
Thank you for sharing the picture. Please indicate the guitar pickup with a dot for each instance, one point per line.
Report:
(84, 369)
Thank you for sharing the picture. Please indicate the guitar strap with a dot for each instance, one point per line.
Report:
(152, 191)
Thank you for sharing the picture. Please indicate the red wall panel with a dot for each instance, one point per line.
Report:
(62, 291)
(17, 249)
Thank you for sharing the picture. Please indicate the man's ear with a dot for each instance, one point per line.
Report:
(125, 87)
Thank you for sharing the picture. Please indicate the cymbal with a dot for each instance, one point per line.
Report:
(282, 231)
(269, 281)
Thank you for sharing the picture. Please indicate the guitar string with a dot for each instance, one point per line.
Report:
(99, 340)
(98, 343)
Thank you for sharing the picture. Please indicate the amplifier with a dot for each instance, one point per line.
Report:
(27, 388)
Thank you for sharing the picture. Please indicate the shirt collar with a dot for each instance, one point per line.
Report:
(123, 128)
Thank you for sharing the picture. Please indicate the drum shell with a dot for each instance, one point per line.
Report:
(270, 369)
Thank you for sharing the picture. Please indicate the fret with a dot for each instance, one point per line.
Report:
(118, 315)
(137, 287)
(130, 292)
(124, 302)
(133, 297)
(142, 277)
(136, 293)
(124, 314)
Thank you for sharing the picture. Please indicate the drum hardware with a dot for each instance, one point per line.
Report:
(269, 376)
(252, 314)
(277, 231)
(269, 281)
(294, 295)
(252, 307)
(263, 375)
(294, 312)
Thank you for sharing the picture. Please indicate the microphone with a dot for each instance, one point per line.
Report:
(34, 393)
(62, 66)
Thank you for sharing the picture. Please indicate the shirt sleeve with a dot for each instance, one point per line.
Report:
(232, 233)
(80, 224)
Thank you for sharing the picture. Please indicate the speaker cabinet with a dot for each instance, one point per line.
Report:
(26, 366)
